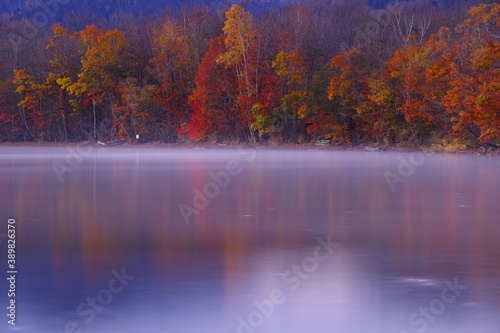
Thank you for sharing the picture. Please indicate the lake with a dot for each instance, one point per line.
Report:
(153, 240)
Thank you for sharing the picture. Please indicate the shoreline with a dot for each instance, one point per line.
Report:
(268, 146)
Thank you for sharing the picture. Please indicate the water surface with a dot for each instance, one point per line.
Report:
(274, 241)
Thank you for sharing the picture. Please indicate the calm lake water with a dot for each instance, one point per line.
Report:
(185, 240)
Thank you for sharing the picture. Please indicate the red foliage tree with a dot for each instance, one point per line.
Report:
(214, 104)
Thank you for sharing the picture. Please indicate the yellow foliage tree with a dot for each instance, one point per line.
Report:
(240, 35)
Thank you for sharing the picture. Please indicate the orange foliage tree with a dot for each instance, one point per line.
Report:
(417, 90)
(64, 66)
(99, 74)
(172, 65)
(473, 63)
(349, 88)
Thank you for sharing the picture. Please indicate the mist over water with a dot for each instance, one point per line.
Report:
(185, 240)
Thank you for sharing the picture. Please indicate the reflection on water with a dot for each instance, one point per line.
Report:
(310, 241)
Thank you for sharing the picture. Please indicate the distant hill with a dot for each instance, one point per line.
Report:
(54, 10)
(57, 8)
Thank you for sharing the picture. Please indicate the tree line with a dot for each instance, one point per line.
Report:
(342, 71)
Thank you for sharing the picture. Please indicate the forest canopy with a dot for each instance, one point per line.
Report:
(346, 71)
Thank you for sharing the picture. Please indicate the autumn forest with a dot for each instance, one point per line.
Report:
(412, 73)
